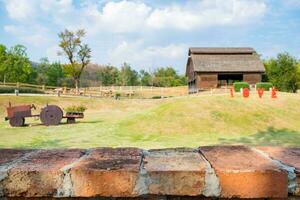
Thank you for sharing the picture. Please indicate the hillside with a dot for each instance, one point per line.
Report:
(186, 121)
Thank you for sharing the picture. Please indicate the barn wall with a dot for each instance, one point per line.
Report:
(252, 78)
(190, 71)
(207, 80)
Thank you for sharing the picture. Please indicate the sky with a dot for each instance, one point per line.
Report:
(151, 33)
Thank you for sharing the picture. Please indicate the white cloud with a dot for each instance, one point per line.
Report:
(108, 23)
(291, 3)
(20, 9)
(36, 36)
(147, 57)
(206, 13)
(62, 6)
(124, 16)
(135, 16)
(52, 53)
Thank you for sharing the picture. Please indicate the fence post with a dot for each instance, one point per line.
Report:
(43, 88)
(18, 85)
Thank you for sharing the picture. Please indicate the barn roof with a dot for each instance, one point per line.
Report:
(225, 60)
(221, 50)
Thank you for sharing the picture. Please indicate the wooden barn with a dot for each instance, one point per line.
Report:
(215, 67)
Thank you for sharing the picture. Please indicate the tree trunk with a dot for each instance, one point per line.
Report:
(77, 85)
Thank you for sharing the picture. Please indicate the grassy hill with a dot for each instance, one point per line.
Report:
(186, 121)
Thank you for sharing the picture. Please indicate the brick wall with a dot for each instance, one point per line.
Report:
(180, 173)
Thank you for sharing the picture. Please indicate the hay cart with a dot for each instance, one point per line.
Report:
(50, 115)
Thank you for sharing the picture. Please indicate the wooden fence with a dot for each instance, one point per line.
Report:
(105, 91)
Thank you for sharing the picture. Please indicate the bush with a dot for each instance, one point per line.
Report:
(21, 90)
(264, 85)
(117, 95)
(238, 85)
(157, 97)
(75, 109)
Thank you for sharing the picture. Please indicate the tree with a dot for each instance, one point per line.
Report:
(168, 77)
(146, 78)
(108, 75)
(282, 72)
(128, 76)
(298, 74)
(77, 53)
(41, 70)
(15, 65)
(55, 74)
(3, 56)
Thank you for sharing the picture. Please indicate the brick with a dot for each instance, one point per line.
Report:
(175, 172)
(287, 156)
(107, 172)
(244, 173)
(40, 174)
(9, 155)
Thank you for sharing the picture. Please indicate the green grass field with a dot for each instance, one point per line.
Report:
(174, 122)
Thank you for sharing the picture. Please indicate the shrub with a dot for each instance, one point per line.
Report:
(21, 90)
(238, 85)
(75, 109)
(157, 97)
(117, 95)
(264, 85)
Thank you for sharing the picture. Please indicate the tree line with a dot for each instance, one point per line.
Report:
(283, 71)
(15, 66)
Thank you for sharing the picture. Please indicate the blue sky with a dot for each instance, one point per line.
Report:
(152, 33)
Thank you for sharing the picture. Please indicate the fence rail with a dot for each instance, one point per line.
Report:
(105, 91)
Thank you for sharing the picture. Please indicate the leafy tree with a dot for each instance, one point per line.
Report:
(128, 76)
(49, 73)
(282, 72)
(108, 75)
(146, 78)
(77, 53)
(55, 74)
(41, 70)
(298, 74)
(168, 77)
(15, 65)
(3, 56)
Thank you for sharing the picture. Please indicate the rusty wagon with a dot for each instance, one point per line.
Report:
(50, 115)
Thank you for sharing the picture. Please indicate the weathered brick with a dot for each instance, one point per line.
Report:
(9, 155)
(40, 174)
(175, 172)
(107, 172)
(287, 156)
(244, 173)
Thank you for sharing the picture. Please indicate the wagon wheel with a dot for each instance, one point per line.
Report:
(17, 121)
(51, 115)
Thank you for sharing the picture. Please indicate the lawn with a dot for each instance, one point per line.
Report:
(156, 123)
